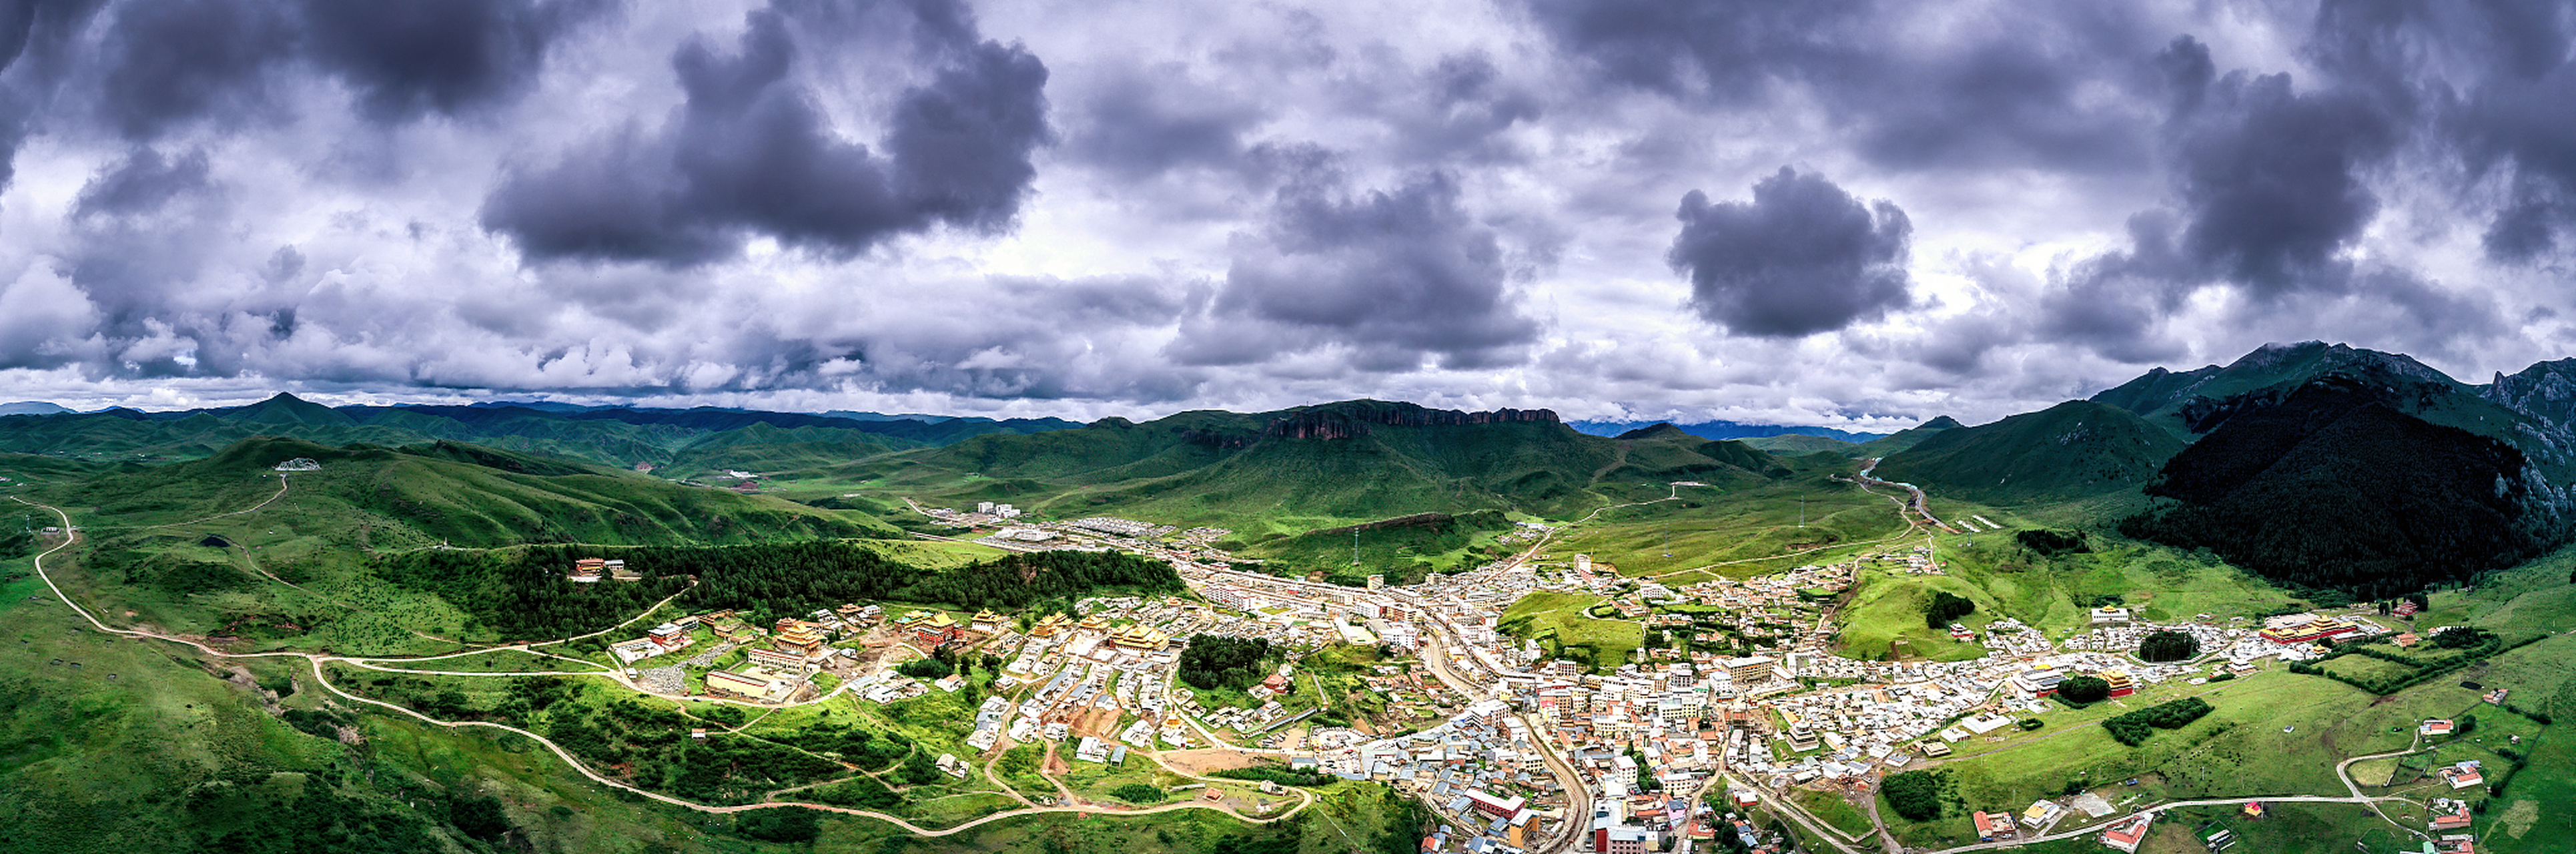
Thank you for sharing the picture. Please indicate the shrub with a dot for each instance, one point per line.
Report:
(1137, 793)
(782, 824)
(1276, 774)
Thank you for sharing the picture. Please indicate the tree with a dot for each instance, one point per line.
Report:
(479, 816)
(923, 668)
(1946, 607)
(2461, 637)
(2168, 645)
(2084, 689)
(1137, 793)
(1212, 661)
(1916, 795)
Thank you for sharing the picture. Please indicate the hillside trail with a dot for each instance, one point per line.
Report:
(320, 677)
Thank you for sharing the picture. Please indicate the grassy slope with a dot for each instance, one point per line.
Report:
(1218, 469)
(1743, 530)
(2242, 748)
(2073, 449)
(1799, 444)
(1559, 617)
(364, 500)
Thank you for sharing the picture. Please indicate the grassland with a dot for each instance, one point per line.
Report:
(1738, 533)
(2048, 593)
(1557, 622)
(2277, 733)
(1833, 808)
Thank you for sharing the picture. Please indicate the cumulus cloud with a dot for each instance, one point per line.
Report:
(1802, 257)
(751, 154)
(1396, 277)
(1141, 122)
(1043, 208)
(409, 58)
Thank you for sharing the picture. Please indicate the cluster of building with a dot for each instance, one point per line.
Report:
(590, 569)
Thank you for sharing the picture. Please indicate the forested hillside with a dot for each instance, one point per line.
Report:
(521, 593)
(2330, 488)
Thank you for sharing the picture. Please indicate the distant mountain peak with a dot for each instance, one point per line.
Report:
(1940, 422)
(33, 407)
(1659, 428)
(1351, 419)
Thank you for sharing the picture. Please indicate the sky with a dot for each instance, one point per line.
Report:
(1831, 212)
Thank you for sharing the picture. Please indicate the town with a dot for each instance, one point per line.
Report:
(1512, 749)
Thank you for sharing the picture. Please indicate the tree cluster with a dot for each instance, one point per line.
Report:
(2084, 689)
(1279, 775)
(2134, 728)
(2329, 489)
(2168, 645)
(1916, 795)
(2049, 543)
(1945, 608)
(1217, 661)
(521, 593)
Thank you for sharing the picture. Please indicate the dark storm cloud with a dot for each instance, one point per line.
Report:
(1395, 276)
(165, 64)
(1143, 122)
(1802, 257)
(141, 184)
(169, 63)
(1464, 102)
(2522, 128)
(36, 39)
(2059, 86)
(751, 154)
(408, 58)
(1730, 51)
(2053, 85)
(2272, 180)
(2187, 71)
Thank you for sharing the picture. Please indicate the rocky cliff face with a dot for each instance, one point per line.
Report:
(1353, 420)
(2544, 392)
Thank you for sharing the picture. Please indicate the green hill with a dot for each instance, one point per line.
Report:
(1404, 548)
(1314, 466)
(2333, 488)
(1796, 444)
(2071, 450)
(1907, 438)
(455, 493)
(696, 440)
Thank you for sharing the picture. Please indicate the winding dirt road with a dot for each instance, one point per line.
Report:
(316, 661)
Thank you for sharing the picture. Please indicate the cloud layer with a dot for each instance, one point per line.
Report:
(1886, 210)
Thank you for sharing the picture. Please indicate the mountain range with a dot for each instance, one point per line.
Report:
(692, 439)
(2315, 464)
